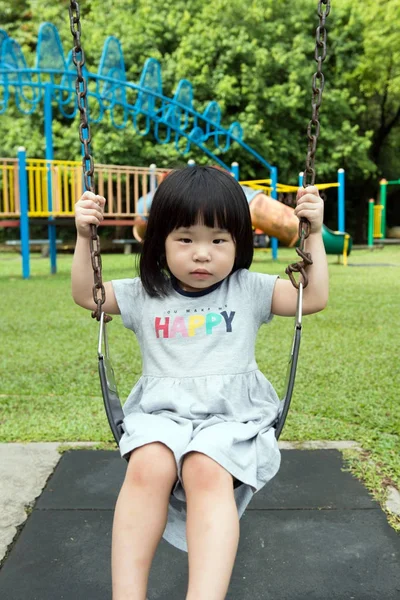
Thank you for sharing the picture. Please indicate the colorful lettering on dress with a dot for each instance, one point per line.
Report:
(179, 326)
(190, 325)
(160, 327)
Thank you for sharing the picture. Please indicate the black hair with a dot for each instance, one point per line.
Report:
(185, 196)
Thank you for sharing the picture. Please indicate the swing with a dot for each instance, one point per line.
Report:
(109, 390)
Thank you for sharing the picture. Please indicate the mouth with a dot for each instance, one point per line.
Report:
(201, 274)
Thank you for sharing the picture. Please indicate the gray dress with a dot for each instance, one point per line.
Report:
(201, 389)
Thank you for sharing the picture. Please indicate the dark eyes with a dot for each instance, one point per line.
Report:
(217, 241)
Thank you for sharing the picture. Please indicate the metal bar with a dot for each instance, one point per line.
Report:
(341, 201)
(65, 195)
(274, 195)
(235, 170)
(11, 170)
(48, 129)
(371, 203)
(5, 190)
(383, 185)
(24, 221)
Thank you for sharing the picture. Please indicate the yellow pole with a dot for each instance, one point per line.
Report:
(345, 249)
(45, 192)
(70, 207)
(57, 180)
(378, 208)
(12, 191)
(65, 203)
(38, 190)
(5, 190)
(32, 184)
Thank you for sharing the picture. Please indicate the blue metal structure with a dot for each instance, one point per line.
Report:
(142, 105)
(24, 222)
(341, 202)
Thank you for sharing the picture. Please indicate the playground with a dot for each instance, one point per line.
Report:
(331, 518)
(48, 188)
(53, 396)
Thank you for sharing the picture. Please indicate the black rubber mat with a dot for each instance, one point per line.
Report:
(313, 533)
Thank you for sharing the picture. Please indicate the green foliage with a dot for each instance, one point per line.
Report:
(256, 59)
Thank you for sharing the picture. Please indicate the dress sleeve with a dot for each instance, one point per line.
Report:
(129, 295)
(260, 287)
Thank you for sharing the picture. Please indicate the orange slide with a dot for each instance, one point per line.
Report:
(272, 217)
(275, 219)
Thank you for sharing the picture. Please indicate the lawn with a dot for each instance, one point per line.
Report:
(347, 385)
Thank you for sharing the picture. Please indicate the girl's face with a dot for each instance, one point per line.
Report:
(199, 256)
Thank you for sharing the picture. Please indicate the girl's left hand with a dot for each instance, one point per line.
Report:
(310, 206)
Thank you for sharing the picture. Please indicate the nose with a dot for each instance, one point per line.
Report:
(201, 253)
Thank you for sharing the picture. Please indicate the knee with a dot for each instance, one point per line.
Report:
(202, 473)
(150, 465)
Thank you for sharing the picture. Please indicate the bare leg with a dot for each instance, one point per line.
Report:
(212, 528)
(140, 519)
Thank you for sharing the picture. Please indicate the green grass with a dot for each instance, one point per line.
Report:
(347, 385)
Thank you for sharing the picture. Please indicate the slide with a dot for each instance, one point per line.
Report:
(334, 241)
(275, 219)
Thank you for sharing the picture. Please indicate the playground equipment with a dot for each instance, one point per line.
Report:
(337, 242)
(377, 215)
(278, 220)
(273, 219)
(142, 106)
(24, 195)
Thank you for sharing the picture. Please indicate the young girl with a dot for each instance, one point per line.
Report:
(198, 423)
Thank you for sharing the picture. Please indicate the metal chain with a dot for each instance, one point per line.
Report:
(313, 130)
(78, 56)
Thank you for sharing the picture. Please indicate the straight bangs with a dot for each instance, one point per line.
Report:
(186, 197)
(205, 201)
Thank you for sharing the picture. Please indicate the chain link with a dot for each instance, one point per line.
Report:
(78, 56)
(313, 130)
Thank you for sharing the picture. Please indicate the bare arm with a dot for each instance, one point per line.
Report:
(315, 297)
(88, 210)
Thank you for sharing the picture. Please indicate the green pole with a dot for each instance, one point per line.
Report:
(383, 184)
(371, 223)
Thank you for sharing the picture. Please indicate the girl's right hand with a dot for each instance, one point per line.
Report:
(89, 210)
